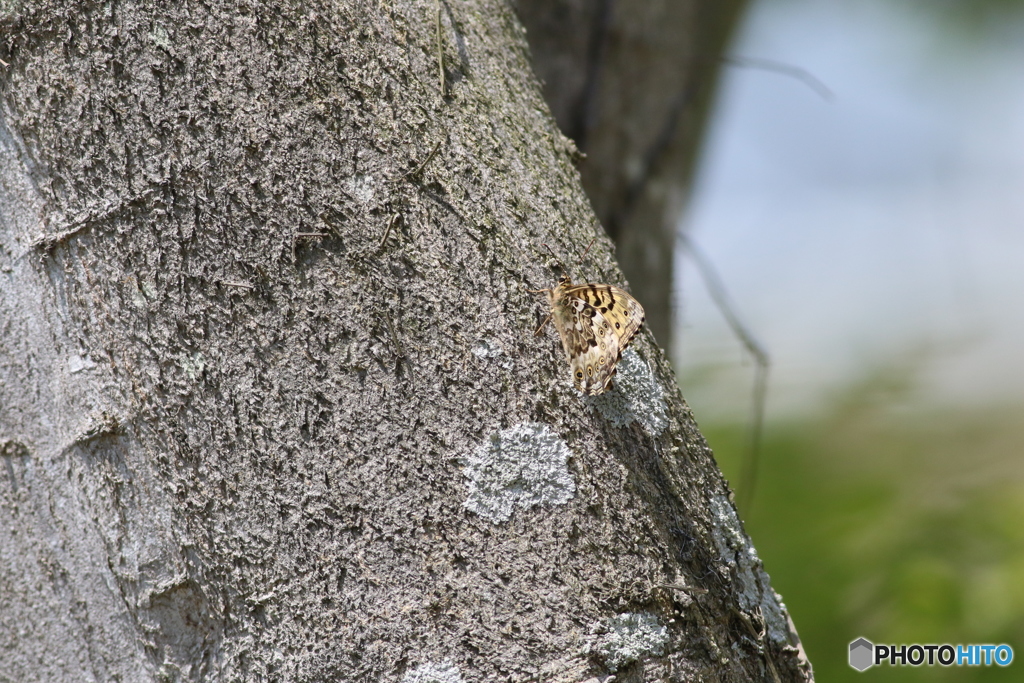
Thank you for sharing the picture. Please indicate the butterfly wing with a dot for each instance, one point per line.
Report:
(624, 314)
(595, 323)
(589, 342)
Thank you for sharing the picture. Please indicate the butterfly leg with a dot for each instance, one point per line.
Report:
(541, 328)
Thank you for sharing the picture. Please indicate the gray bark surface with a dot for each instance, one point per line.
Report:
(632, 84)
(271, 407)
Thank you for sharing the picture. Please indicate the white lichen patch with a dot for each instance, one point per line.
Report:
(192, 365)
(78, 363)
(434, 672)
(485, 348)
(635, 396)
(361, 187)
(627, 638)
(748, 572)
(148, 287)
(488, 349)
(519, 467)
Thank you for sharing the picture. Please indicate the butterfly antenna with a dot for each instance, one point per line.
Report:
(585, 252)
(564, 271)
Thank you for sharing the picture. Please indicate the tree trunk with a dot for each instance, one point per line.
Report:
(632, 83)
(272, 407)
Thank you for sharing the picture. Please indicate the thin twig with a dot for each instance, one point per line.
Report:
(440, 51)
(243, 285)
(394, 337)
(748, 479)
(416, 171)
(387, 232)
(716, 289)
(545, 321)
(663, 141)
(5, 64)
(295, 240)
(803, 75)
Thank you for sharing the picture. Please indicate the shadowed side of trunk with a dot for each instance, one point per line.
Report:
(631, 83)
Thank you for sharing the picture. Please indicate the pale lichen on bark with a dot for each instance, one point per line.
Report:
(636, 396)
(519, 467)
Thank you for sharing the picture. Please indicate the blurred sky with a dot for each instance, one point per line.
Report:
(883, 227)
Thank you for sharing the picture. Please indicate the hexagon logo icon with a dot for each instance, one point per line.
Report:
(861, 654)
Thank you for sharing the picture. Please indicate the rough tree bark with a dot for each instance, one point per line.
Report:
(632, 83)
(271, 407)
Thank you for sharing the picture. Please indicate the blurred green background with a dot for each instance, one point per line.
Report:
(874, 244)
(877, 517)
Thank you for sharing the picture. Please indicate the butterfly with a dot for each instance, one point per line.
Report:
(596, 323)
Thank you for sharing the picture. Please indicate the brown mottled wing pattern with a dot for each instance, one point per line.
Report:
(619, 308)
(595, 323)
